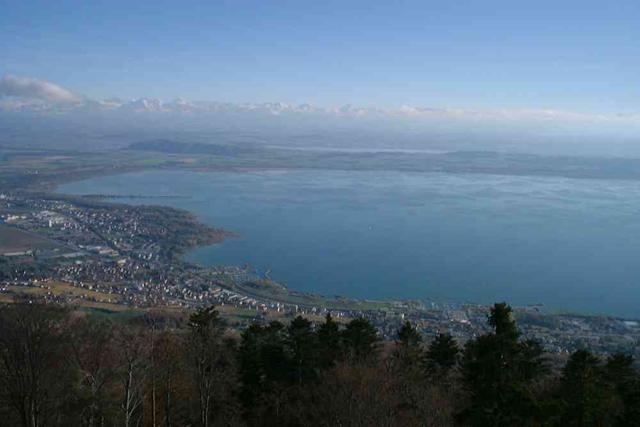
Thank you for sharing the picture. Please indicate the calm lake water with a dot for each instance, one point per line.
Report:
(570, 244)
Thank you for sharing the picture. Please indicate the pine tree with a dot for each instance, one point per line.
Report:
(302, 342)
(329, 342)
(501, 319)
(586, 399)
(409, 336)
(624, 379)
(359, 337)
(408, 349)
(441, 355)
(265, 371)
(498, 372)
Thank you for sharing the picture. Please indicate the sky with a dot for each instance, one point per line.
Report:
(581, 56)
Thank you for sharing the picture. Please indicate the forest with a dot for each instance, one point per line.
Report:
(65, 367)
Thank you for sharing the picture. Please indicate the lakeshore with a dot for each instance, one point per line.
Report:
(126, 258)
(413, 236)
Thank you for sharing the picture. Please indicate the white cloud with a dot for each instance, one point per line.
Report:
(28, 94)
(33, 89)
(508, 115)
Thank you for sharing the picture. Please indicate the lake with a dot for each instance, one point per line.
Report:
(570, 244)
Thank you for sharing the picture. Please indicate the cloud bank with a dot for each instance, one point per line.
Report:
(28, 89)
(33, 95)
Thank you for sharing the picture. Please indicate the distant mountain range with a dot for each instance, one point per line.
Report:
(152, 105)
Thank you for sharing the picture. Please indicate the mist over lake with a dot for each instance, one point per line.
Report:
(571, 244)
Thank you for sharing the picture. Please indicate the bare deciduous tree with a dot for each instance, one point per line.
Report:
(92, 355)
(31, 354)
(131, 352)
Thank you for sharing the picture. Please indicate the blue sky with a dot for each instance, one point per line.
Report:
(569, 55)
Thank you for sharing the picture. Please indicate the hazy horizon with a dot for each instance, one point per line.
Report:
(544, 78)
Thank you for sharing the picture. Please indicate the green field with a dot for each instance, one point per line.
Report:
(15, 240)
